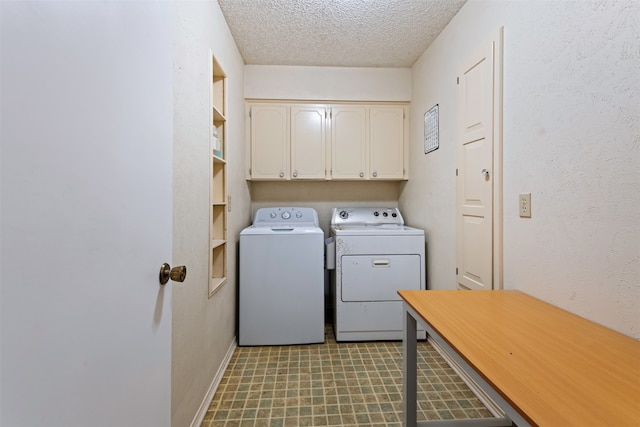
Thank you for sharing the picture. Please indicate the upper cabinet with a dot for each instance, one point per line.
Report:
(349, 142)
(298, 141)
(308, 142)
(269, 130)
(386, 141)
(287, 141)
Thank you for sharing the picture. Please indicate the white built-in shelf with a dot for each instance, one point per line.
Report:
(218, 184)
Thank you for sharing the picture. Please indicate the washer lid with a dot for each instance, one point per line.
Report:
(282, 230)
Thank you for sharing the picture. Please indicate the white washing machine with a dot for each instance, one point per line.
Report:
(375, 256)
(281, 286)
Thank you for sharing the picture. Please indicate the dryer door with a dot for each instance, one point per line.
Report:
(378, 277)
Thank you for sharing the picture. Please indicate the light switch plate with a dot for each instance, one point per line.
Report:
(525, 205)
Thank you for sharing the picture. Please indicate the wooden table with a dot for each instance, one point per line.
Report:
(540, 364)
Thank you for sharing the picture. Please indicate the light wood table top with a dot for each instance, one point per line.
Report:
(553, 367)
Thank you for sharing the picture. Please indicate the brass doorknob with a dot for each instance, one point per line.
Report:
(177, 274)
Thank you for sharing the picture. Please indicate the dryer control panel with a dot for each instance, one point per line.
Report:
(366, 216)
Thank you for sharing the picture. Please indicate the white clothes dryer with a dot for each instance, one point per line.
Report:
(281, 284)
(375, 256)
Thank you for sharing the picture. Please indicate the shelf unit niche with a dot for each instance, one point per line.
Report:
(218, 179)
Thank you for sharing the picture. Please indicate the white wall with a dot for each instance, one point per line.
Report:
(571, 138)
(203, 328)
(327, 83)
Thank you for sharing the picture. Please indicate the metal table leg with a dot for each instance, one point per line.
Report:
(409, 378)
(410, 374)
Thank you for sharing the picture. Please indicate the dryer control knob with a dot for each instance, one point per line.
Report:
(298, 214)
(273, 215)
(286, 215)
(344, 214)
(376, 213)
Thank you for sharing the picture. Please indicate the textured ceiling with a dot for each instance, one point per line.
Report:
(340, 33)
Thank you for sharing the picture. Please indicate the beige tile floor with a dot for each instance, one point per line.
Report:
(335, 384)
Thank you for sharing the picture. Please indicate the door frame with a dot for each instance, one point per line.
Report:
(498, 46)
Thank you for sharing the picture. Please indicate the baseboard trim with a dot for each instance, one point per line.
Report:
(475, 389)
(213, 387)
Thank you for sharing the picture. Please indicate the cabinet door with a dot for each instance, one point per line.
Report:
(386, 129)
(269, 142)
(348, 142)
(308, 142)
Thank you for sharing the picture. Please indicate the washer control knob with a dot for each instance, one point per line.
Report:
(273, 215)
(298, 214)
(344, 214)
(394, 214)
(376, 213)
(286, 215)
(384, 214)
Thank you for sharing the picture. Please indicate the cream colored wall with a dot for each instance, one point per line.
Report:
(571, 138)
(327, 83)
(203, 328)
(323, 84)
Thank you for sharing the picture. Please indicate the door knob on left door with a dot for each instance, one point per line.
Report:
(177, 274)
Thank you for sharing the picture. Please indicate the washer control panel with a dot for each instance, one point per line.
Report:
(366, 216)
(285, 215)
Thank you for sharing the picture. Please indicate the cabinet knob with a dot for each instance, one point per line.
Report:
(375, 174)
(295, 174)
(281, 175)
(361, 174)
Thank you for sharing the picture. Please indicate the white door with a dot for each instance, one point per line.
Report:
(87, 136)
(475, 170)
